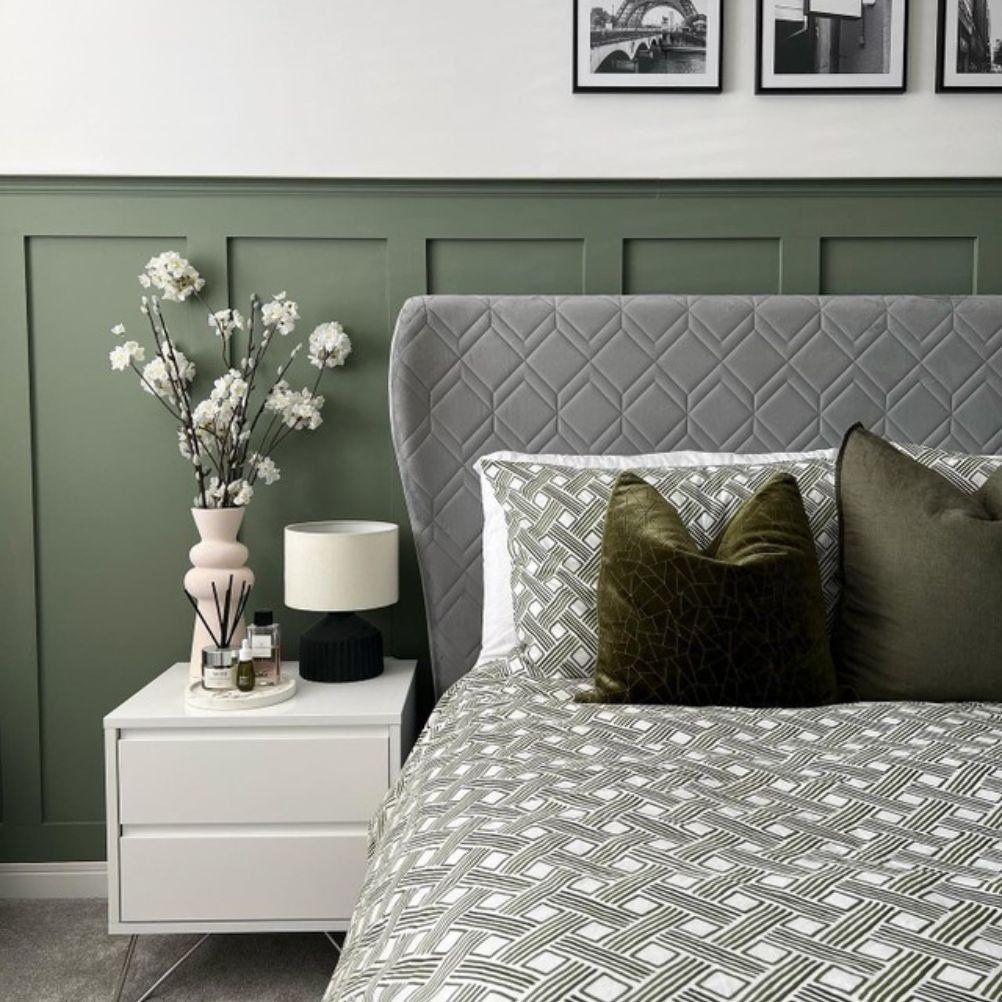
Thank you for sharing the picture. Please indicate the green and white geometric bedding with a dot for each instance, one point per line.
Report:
(536, 849)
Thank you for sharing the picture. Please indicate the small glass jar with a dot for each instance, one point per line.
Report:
(219, 668)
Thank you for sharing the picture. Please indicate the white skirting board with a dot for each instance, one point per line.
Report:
(54, 880)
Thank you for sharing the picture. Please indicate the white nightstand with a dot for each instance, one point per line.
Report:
(249, 821)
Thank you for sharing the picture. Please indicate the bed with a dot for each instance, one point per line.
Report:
(540, 849)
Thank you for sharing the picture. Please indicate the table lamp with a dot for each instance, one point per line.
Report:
(340, 568)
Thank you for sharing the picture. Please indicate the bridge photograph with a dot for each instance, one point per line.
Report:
(647, 44)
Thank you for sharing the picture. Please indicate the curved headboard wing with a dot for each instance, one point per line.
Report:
(599, 374)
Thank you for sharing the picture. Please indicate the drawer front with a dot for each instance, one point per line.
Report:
(225, 777)
(241, 877)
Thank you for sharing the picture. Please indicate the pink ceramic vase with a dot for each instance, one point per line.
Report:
(214, 559)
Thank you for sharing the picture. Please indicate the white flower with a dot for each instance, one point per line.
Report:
(330, 346)
(155, 378)
(184, 447)
(215, 491)
(185, 367)
(124, 355)
(216, 418)
(266, 469)
(160, 369)
(118, 330)
(280, 313)
(225, 322)
(230, 387)
(206, 416)
(173, 275)
(296, 410)
(242, 493)
(211, 421)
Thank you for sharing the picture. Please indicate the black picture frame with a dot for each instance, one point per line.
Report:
(716, 87)
(762, 88)
(946, 7)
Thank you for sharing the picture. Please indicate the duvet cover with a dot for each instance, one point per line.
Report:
(537, 850)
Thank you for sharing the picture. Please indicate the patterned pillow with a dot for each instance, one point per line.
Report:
(964, 471)
(556, 516)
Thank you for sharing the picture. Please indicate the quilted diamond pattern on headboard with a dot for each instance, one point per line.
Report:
(596, 374)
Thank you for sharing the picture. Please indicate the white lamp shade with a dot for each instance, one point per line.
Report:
(341, 566)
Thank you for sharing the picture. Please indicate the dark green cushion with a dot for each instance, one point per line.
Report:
(742, 624)
(921, 610)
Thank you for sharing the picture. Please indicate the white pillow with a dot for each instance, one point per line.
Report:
(498, 634)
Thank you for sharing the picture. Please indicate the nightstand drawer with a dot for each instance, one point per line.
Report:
(240, 877)
(251, 776)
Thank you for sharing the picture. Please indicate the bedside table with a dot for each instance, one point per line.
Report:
(249, 821)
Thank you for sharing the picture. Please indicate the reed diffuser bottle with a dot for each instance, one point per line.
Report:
(219, 660)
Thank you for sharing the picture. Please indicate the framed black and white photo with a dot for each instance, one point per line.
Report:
(970, 46)
(648, 45)
(832, 46)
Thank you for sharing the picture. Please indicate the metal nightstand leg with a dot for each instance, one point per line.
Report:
(130, 952)
(333, 942)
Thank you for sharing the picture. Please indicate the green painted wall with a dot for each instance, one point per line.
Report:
(94, 498)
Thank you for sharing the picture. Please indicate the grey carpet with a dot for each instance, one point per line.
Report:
(60, 951)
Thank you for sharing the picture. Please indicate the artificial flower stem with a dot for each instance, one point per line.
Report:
(167, 407)
(184, 400)
(178, 389)
(219, 436)
(186, 421)
(285, 433)
(257, 417)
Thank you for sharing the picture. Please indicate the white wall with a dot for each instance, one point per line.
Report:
(441, 88)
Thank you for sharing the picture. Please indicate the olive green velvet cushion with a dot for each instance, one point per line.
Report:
(921, 608)
(742, 624)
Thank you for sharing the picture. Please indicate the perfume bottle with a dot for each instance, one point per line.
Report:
(265, 639)
(245, 667)
(219, 668)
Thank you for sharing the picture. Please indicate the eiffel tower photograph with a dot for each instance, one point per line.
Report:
(647, 44)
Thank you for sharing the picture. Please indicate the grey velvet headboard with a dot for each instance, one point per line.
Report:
(584, 374)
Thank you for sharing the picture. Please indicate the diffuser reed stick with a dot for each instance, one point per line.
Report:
(241, 604)
(194, 604)
(227, 625)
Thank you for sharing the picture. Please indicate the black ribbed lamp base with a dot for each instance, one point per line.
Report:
(342, 647)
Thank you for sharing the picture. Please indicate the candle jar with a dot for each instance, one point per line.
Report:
(219, 668)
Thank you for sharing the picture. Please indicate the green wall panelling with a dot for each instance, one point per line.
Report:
(505, 266)
(20, 768)
(930, 265)
(703, 265)
(95, 498)
(346, 467)
(111, 504)
(989, 262)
